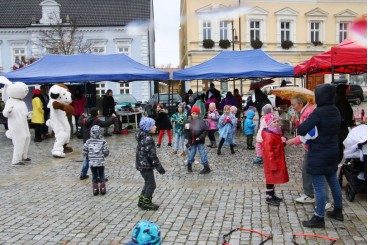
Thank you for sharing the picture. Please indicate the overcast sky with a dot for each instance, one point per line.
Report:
(167, 22)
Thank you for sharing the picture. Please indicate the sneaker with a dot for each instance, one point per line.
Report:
(183, 154)
(258, 160)
(305, 199)
(18, 164)
(169, 144)
(27, 160)
(84, 177)
(272, 201)
(174, 152)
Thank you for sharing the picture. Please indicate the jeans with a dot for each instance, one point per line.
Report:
(307, 180)
(319, 184)
(202, 153)
(84, 167)
(179, 139)
(98, 174)
(149, 183)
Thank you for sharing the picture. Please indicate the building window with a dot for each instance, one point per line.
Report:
(100, 89)
(343, 31)
(315, 31)
(223, 30)
(124, 88)
(206, 30)
(19, 58)
(98, 50)
(255, 30)
(285, 31)
(124, 50)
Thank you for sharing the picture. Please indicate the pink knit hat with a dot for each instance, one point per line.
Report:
(270, 118)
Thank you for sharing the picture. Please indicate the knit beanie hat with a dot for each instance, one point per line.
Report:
(146, 123)
(196, 109)
(93, 111)
(270, 118)
(267, 109)
(37, 91)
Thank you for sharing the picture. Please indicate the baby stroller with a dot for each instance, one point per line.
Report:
(355, 166)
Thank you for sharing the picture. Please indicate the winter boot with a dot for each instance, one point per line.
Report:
(141, 201)
(206, 170)
(214, 144)
(158, 145)
(220, 146)
(336, 214)
(103, 188)
(189, 167)
(148, 205)
(95, 189)
(183, 154)
(232, 149)
(270, 198)
(210, 145)
(258, 160)
(315, 222)
(174, 152)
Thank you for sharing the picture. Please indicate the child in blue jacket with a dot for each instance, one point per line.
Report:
(249, 129)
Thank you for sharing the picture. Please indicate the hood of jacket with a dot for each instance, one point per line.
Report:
(250, 114)
(324, 94)
(96, 132)
(140, 134)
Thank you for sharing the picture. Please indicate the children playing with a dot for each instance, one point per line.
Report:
(179, 119)
(265, 110)
(212, 119)
(274, 164)
(163, 124)
(146, 161)
(249, 129)
(196, 132)
(226, 123)
(96, 149)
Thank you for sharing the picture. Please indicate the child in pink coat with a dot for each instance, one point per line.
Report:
(212, 120)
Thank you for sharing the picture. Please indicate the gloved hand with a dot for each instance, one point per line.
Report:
(160, 169)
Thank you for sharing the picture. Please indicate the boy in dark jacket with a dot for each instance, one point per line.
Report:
(196, 131)
(146, 161)
(87, 124)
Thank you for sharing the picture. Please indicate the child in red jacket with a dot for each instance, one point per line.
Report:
(273, 158)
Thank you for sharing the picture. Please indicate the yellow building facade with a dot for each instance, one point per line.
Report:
(310, 26)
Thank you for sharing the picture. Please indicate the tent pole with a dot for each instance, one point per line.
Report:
(233, 85)
(241, 86)
(197, 88)
(87, 97)
(333, 74)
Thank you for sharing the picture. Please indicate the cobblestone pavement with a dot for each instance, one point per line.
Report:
(44, 202)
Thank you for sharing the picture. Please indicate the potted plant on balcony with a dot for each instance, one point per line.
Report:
(208, 43)
(317, 43)
(256, 44)
(287, 44)
(224, 44)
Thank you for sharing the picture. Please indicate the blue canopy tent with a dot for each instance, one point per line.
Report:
(236, 64)
(85, 68)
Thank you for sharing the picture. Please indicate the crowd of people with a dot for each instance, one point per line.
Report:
(198, 118)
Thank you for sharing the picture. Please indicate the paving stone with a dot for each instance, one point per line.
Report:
(44, 202)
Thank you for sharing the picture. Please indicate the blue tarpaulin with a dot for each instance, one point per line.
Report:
(236, 64)
(85, 68)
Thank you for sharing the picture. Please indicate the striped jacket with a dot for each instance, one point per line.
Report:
(96, 148)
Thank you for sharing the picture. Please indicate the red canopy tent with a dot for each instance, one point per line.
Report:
(348, 57)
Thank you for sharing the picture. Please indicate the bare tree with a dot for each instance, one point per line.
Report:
(63, 38)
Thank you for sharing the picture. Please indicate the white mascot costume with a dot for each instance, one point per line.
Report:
(60, 110)
(16, 111)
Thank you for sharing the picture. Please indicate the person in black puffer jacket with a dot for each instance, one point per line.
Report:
(146, 161)
(163, 124)
(323, 154)
(346, 113)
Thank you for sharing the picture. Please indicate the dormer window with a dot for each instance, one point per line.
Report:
(50, 12)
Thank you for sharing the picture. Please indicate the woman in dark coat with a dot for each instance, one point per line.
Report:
(346, 113)
(322, 158)
(261, 100)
